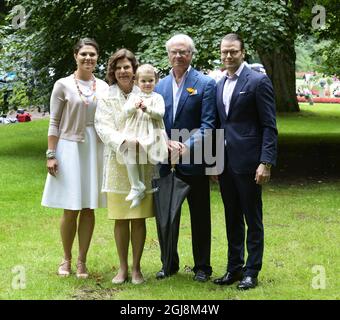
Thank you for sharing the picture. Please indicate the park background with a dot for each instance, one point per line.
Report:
(301, 204)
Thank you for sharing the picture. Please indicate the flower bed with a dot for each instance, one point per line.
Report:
(320, 100)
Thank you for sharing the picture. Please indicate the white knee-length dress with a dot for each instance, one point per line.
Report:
(80, 170)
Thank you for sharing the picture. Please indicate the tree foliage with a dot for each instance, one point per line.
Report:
(321, 20)
(329, 50)
(46, 43)
(268, 28)
(207, 22)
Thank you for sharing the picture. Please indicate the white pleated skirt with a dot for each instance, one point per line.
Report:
(80, 170)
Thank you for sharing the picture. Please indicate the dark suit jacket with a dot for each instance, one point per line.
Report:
(194, 111)
(250, 127)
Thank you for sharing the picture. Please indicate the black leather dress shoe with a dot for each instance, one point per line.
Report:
(201, 276)
(229, 278)
(247, 283)
(161, 274)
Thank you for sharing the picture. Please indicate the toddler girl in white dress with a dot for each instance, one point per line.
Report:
(144, 112)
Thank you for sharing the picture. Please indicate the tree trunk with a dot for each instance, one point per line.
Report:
(280, 68)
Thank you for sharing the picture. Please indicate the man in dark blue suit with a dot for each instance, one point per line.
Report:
(246, 109)
(190, 112)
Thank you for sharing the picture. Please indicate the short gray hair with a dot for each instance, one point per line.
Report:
(181, 37)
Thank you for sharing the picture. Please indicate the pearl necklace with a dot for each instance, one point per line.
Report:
(81, 94)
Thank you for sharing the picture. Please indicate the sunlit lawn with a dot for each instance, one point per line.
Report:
(301, 216)
(313, 124)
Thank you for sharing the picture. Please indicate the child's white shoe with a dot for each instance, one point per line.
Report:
(136, 192)
(136, 202)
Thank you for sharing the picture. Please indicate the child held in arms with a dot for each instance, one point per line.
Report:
(144, 122)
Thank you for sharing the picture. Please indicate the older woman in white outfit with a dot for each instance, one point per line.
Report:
(110, 123)
(74, 155)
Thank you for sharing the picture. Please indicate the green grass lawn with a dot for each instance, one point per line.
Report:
(313, 124)
(301, 217)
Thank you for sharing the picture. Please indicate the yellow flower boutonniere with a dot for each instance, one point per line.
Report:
(192, 91)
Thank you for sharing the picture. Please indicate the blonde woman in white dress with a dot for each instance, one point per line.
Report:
(144, 112)
(75, 155)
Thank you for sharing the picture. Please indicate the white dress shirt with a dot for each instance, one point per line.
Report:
(229, 87)
(177, 90)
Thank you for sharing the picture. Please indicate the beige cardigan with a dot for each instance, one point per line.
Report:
(67, 110)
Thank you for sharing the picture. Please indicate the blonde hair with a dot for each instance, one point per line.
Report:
(146, 68)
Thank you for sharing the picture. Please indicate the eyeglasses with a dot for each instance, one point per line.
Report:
(180, 52)
(233, 53)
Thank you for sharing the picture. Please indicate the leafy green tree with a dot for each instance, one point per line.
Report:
(269, 29)
(328, 51)
(329, 54)
(51, 30)
(3, 12)
(305, 48)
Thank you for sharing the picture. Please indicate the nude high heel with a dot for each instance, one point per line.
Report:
(64, 269)
(82, 272)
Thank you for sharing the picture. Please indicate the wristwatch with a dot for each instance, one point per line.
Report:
(267, 165)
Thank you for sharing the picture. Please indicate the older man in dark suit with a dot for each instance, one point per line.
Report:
(190, 106)
(246, 109)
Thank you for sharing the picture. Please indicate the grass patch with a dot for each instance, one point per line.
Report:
(301, 218)
(309, 142)
(313, 124)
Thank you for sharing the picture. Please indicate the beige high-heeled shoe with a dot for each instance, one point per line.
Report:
(138, 280)
(116, 280)
(82, 272)
(64, 269)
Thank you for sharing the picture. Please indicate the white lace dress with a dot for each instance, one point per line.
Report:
(110, 122)
(148, 126)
